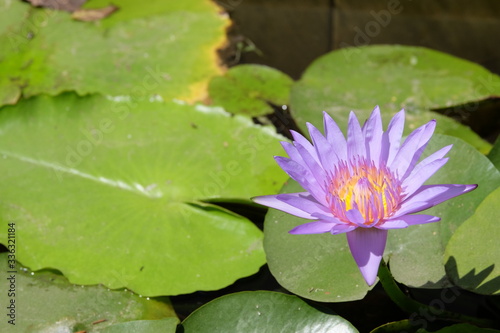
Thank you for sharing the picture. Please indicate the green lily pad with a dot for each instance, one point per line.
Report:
(262, 311)
(130, 9)
(167, 325)
(318, 267)
(494, 154)
(110, 195)
(473, 252)
(393, 77)
(47, 302)
(247, 89)
(416, 327)
(416, 253)
(168, 50)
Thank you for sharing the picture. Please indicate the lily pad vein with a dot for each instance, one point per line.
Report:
(135, 188)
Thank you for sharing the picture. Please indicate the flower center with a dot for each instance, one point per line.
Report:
(374, 192)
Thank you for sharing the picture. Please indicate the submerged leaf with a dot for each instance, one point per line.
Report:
(167, 325)
(47, 302)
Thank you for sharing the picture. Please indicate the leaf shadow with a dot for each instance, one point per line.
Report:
(471, 280)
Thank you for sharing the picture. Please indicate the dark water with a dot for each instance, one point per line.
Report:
(290, 34)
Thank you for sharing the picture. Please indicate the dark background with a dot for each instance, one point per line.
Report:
(290, 34)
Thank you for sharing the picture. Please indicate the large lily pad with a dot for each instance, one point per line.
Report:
(393, 77)
(417, 253)
(473, 253)
(167, 49)
(47, 302)
(110, 195)
(263, 311)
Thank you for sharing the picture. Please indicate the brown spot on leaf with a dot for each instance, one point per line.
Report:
(94, 14)
(65, 5)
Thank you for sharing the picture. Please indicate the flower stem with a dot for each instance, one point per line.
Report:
(409, 305)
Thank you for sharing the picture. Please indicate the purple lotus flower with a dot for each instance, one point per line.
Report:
(364, 185)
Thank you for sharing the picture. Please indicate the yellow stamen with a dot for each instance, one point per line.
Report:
(374, 192)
